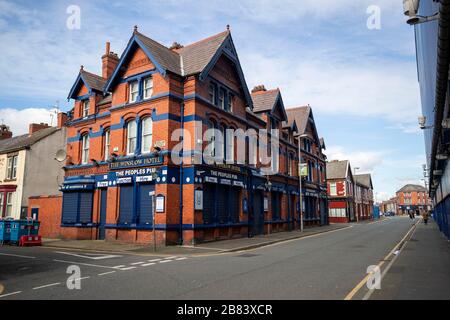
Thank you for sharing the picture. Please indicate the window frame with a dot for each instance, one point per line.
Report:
(128, 152)
(144, 135)
(333, 186)
(131, 92)
(11, 167)
(229, 145)
(85, 108)
(221, 98)
(230, 102)
(144, 81)
(107, 144)
(9, 203)
(2, 196)
(212, 91)
(85, 148)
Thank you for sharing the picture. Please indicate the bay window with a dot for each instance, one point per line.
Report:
(147, 132)
(131, 137)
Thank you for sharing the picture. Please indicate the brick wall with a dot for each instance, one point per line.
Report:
(49, 214)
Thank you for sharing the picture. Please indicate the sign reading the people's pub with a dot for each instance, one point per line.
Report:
(130, 163)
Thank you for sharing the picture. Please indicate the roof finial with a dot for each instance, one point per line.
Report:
(135, 30)
(81, 68)
(228, 27)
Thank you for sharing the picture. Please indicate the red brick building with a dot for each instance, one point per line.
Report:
(364, 196)
(122, 182)
(412, 198)
(341, 191)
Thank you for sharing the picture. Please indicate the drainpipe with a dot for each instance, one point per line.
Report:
(180, 236)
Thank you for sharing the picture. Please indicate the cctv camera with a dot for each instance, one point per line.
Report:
(410, 7)
(422, 121)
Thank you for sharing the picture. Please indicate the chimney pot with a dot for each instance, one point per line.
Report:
(35, 127)
(259, 88)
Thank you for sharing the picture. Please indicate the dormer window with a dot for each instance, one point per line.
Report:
(148, 88)
(230, 102)
(85, 108)
(134, 91)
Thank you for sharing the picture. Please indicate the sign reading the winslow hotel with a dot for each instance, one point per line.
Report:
(114, 148)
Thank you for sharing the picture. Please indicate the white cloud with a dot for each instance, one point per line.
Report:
(19, 120)
(367, 161)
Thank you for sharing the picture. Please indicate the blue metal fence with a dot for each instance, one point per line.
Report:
(441, 215)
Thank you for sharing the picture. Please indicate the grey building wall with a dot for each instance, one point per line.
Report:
(43, 174)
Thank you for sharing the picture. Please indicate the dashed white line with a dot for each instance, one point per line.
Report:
(121, 266)
(164, 261)
(47, 285)
(10, 294)
(129, 268)
(16, 255)
(154, 260)
(170, 258)
(105, 273)
(182, 258)
(148, 264)
(137, 263)
(79, 279)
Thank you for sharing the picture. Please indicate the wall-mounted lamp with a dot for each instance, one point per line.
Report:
(422, 123)
(411, 8)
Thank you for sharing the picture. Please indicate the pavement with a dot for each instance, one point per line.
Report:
(223, 246)
(327, 265)
(421, 270)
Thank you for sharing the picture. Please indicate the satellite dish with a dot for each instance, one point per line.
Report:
(61, 155)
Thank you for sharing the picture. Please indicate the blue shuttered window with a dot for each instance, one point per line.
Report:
(126, 205)
(77, 207)
(70, 207)
(146, 204)
(234, 204)
(208, 203)
(222, 203)
(85, 206)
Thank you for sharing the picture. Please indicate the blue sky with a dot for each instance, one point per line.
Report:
(361, 83)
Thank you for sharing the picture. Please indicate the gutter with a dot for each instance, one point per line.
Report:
(443, 52)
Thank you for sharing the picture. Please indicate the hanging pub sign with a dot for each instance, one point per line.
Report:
(122, 164)
(303, 168)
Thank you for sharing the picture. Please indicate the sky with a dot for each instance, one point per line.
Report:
(361, 82)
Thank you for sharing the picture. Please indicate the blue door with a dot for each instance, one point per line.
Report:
(102, 222)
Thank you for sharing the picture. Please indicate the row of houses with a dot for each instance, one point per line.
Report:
(410, 198)
(153, 150)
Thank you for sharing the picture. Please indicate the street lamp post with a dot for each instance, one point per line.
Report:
(300, 178)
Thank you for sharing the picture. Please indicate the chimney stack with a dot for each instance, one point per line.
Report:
(35, 127)
(5, 133)
(62, 119)
(110, 60)
(259, 88)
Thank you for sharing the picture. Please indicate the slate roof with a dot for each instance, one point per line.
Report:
(337, 169)
(412, 188)
(93, 81)
(196, 56)
(25, 141)
(168, 59)
(364, 180)
(264, 101)
(301, 116)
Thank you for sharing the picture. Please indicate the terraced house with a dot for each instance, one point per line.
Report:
(122, 179)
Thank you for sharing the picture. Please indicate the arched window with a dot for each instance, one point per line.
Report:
(106, 144)
(85, 149)
(131, 137)
(147, 133)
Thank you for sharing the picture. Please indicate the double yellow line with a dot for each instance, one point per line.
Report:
(355, 290)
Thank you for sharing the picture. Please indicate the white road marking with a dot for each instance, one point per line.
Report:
(169, 258)
(79, 279)
(164, 261)
(154, 260)
(84, 264)
(105, 273)
(182, 258)
(10, 294)
(47, 285)
(121, 266)
(148, 264)
(16, 255)
(92, 256)
(136, 263)
(129, 268)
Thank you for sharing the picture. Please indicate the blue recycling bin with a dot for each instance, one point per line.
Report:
(5, 231)
(21, 228)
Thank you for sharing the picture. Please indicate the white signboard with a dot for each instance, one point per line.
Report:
(198, 199)
(144, 179)
(266, 204)
(160, 204)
